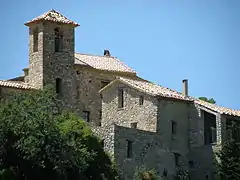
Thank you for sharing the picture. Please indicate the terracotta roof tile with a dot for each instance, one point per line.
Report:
(102, 63)
(216, 108)
(156, 90)
(153, 89)
(53, 16)
(15, 84)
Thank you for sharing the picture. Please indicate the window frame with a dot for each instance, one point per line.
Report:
(86, 116)
(129, 148)
(176, 159)
(58, 40)
(173, 127)
(134, 125)
(120, 98)
(104, 83)
(141, 100)
(58, 86)
(35, 39)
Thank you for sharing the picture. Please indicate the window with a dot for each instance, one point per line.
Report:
(141, 99)
(134, 125)
(58, 41)
(58, 85)
(35, 40)
(174, 128)
(176, 158)
(120, 98)
(102, 142)
(100, 114)
(129, 149)
(78, 92)
(104, 83)
(86, 116)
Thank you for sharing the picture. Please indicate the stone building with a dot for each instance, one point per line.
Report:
(141, 123)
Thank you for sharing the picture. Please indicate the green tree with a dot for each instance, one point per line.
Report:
(143, 173)
(211, 100)
(38, 140)
(229, 156)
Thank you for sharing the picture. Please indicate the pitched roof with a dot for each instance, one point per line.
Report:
(15, 84)
(150, 88)
(157, 90)
(53, 16)
(106, 63)
(216, 108)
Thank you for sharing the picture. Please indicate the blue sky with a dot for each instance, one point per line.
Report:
(165, 41)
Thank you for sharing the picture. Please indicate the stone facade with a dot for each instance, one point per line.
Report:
(144, 115)
(46, 65)
(141, 124)
(89, 83)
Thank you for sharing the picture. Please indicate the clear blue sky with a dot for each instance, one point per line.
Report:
(165, 41)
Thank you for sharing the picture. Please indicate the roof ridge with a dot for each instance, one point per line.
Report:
(52, 15)
(219, 108)
(96, 55)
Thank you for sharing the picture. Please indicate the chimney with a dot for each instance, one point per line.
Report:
(25, 70)
(185, 87)
(107, 53)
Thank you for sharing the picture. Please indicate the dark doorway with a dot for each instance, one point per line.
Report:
(210, 133)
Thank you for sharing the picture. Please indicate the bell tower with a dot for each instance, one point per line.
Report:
(51, 53)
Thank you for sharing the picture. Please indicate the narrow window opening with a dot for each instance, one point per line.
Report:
(58, 85)
(78, 92)
(129, 148)
(35, 40)
(174, 128)
(58, 41)
(100, 115)
(102, 143)
(141, 99)
(86, 116)
(176, 158)
(120, 98)
(134, 125)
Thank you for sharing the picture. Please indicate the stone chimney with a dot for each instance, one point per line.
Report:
(185, 87)
(107, 53)
(25, 70)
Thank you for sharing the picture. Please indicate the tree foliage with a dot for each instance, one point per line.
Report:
(38, 140)
(142, 173)
(210, 100)
(229, 156)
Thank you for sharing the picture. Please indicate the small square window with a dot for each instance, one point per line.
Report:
(141, 99)
(86, 116)
(104, 83)
(174, 128)
(129, 148)
(134, 125)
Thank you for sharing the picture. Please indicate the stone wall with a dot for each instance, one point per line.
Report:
(144, 115)
(147, 150)
(6, 91)
(88, 97)
(173, 111)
